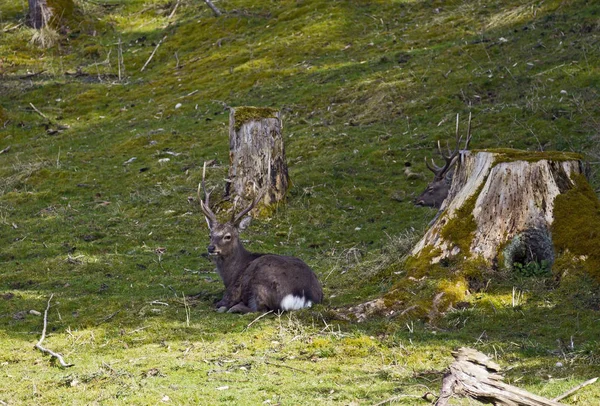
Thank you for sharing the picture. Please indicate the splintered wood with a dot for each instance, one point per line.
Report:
(474, 375)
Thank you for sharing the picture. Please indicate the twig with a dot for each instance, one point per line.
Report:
(107, 318)
(5, 150)
(214, 8)
(152, 54)
(285, 366)
(39, 343)
(174, 10)
(187, 310)
(120, 57)
(257, 319)
(575, 389)
(39, 112)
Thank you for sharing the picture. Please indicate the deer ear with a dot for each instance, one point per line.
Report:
(244, 223)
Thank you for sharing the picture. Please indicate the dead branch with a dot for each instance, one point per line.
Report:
(5, 150)
(39, 112)
(152, 54)
(575, 389)
(214, 8)
(475, 375)
(39, 343)
(174, 10)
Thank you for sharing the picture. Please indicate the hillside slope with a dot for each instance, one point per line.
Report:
(364, 86)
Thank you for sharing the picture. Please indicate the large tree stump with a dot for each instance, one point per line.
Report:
(256, 156)
(501, 207)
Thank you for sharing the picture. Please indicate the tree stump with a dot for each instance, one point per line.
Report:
(256, 156)
(501, 207)
(39, 14)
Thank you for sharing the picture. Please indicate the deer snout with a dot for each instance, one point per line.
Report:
(212, 249)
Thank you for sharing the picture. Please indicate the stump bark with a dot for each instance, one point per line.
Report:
(501, 206)
(39, 14)
(256, 156)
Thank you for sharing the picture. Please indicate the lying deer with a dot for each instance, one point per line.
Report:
(437, 190)
(256, 282)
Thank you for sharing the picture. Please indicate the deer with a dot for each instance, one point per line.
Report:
(437, 190)
(255, 282)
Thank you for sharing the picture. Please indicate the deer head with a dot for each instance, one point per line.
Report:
(437, 190)
(224, 237)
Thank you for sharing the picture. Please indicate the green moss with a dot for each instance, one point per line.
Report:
(63, 11)
(92, 51)
(3, 116)
(459, 230)
(576, 227)
(512, 155)
(244, 114)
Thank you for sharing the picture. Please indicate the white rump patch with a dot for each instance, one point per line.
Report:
(291, 302)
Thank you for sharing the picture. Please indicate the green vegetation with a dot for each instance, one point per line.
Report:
(97, 196)
(577, 225)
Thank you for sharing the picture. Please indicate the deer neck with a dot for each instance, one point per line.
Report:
(230, 267)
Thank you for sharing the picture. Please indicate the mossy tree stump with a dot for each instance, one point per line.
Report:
(502, 207)
(256, 156)
(44, 12)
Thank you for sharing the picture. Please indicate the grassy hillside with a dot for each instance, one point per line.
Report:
(364, 86)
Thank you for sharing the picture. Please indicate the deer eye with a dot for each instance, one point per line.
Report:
(227, 237)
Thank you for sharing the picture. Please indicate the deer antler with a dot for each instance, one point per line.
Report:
(241, 215)
(450, 159)
(211, 218)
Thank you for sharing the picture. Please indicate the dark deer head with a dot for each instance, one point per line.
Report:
(224, 237)
(437, 190)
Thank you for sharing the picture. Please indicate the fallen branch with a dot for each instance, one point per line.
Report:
(575, 389)
(5, 150)
(474, 375)
(39, 343)
(152, 54)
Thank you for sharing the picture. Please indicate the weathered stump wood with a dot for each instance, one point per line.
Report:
(474, 375)
(256, 156)
(39, 14)
(498, 200)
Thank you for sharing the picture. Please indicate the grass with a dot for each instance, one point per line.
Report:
(363, 87)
